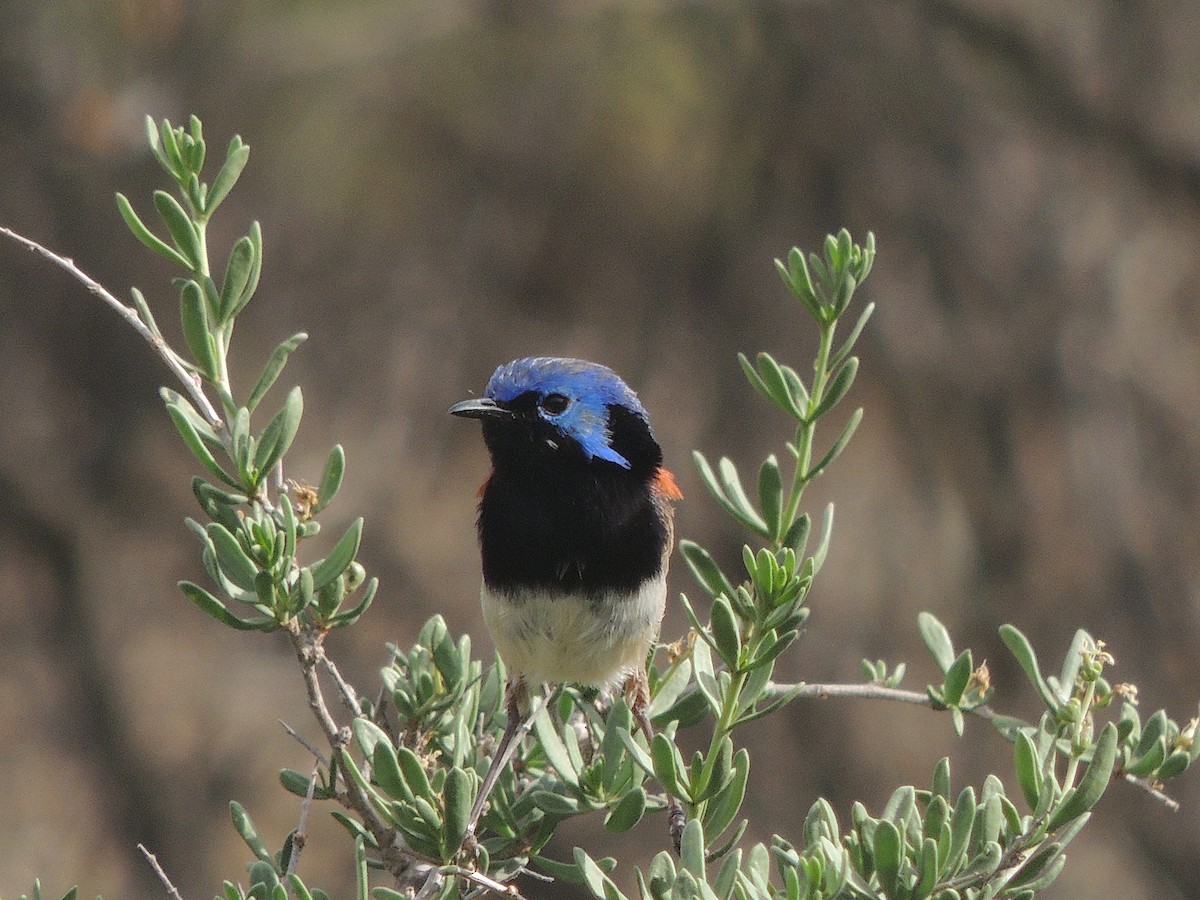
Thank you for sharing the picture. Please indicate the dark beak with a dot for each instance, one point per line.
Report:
(483, 408)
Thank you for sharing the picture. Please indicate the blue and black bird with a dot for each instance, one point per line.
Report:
(575, 532)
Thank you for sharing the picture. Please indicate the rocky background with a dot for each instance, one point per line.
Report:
(446, 185)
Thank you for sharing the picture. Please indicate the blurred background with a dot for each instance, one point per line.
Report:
(447, 185)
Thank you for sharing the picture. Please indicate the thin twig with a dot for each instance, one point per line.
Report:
(1144, 784)
(158, 870)
(868, 691)
(300, 835)
(871, 691)
(484, 882)
(349, 695)
(303, 742)
(308, 652)
(190, 383)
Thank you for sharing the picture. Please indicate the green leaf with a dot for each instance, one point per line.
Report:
(1023, 651)
(732, 484)
(845, 290)
(691, 849)
(152, 139)
(852, 338)
(146, 236)
(957, 677)
(237, 276)
(277, 437)
(838, 387)
(751, 375)
(558, 805)
(215, 608)
(274, 366)
(726, 634)
(458, 796)
(194, 316)
(183, 232)
(797, 534)
(1028, 769)
(360, 868)
(639, 756)
(1091, 786)
(256, 261)
(331, 477)
(144, 312)
(170, 148)
(387, 771)
(1154, 729)
(245, 827)
(776, 386)
(887, 847)
(666, 766)
(739, 509)
(772, 650)
(350, 616)
(818, 557)
(927, 869)
(414, 774)
(556, 750)
(195, 443)
(612, 750)
(707, 572)
(703, 788)
(962, 821)
(1071, 662)
(231, 557)
(594, 878)
(628, 811)
(838, 446)
(235, 161)
(343, 553)
(770, 494)
(937, 640)
(782, 700)
(796, 276)
(1149, 760)
(368, 734)
(1176, 764)
(721, 811)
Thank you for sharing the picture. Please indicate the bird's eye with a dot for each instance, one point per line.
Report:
(554, 404)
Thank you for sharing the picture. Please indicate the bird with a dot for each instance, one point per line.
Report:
(575, 531)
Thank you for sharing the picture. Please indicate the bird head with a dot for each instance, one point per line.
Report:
(563, 411)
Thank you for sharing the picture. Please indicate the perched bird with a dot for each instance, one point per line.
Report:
(575, 532)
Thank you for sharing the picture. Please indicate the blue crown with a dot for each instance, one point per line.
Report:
(590, 387)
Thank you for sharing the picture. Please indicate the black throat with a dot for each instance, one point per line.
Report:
(554, 520)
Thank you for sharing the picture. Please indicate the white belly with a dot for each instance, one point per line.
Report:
(568, 639)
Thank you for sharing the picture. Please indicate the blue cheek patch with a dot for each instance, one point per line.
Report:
(589, 429)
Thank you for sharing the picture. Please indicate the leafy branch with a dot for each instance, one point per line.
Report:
(400, 774)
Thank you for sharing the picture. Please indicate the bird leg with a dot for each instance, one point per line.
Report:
(515, 700)
(638, 692)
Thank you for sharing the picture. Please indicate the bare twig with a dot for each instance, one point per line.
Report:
(190, 382)
(484, 882)
(871, 691)
(158, 870)
(349, 695)
(1144, 784)
(303, 742)
(307, 645)
(300, 835)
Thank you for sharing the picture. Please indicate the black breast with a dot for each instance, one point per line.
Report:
(565, 524)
